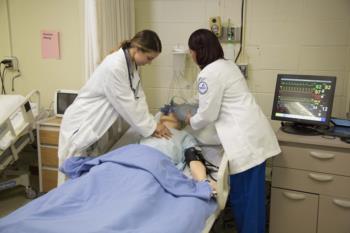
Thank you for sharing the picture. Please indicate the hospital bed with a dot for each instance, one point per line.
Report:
(213, 154)
(17, 122)
(109, 192)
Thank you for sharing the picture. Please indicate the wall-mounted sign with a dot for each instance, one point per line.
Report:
(50, 44)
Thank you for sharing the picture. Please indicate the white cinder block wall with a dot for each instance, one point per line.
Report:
(174, 21)
(281, 36)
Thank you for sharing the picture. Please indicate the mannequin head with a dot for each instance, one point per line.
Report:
(170, 121)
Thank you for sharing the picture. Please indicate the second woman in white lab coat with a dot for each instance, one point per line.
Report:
(243, 130)
(113, 91)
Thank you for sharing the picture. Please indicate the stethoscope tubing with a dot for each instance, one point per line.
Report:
(130, 75)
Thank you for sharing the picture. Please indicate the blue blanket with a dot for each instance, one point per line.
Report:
(133, 189)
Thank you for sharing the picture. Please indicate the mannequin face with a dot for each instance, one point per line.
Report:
(170, 121)
(142, 58)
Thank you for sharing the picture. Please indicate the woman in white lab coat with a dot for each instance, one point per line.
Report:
(243, 130)
(113, 91)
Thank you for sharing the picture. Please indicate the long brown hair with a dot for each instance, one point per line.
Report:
(146, 41)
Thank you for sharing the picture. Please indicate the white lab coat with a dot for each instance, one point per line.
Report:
(244, 131)
(105, 97)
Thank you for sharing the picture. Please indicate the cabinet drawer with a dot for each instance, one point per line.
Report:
(311, 182)
(49, 179)
(334, 215)
(311, 158)
(49, 137)
(49, 156)
(293, 212)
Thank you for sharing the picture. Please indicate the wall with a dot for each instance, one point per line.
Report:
(4, 38)
(281, 36)
(300, 36)
(348, 88)
(174, 21)
(27, 19)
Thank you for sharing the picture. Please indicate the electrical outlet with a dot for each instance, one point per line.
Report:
(244, 69)
(236, 35)
(231, 34)
(11, 63)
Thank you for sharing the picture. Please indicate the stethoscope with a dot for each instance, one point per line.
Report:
(131, 75)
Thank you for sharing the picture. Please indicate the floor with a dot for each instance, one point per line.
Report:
(225, 222)
(13, 198)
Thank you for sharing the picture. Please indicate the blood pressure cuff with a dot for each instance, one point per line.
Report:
(194, 154)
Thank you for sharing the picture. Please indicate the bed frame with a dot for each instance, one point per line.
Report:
(223, 189)
(19, 138)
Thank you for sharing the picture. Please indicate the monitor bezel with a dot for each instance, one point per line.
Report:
(332, 80)
(57, 93)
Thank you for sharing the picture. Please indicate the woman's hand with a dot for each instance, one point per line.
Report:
(162, 132)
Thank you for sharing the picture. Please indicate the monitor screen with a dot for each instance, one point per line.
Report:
(63, 100)
(303, 99)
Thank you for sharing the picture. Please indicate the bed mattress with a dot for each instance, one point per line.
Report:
(10, 109)
(9, 104)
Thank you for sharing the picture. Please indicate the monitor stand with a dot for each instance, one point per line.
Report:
(299, 129)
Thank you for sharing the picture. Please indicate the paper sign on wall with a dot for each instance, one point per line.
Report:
(50, 45)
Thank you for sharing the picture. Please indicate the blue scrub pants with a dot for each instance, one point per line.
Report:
(247, 199)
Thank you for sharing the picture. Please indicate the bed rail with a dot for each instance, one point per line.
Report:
(28, 98)
(15, 138)
(223, 182)
(8, 130)
(223, 189)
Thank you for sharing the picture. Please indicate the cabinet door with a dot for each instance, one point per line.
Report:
(49, 179)
(49, 156)
(293, 212)
(49, 136)
(334, 215)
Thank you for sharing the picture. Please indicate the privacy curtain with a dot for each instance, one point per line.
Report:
(107, 23)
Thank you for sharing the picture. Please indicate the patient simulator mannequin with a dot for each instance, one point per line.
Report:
(180, 148)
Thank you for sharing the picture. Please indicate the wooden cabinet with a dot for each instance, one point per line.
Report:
(48, 134)
(310, 185)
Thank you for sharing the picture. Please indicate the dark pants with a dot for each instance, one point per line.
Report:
(247, 199)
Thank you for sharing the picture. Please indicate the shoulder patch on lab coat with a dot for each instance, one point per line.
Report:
(202, 87)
